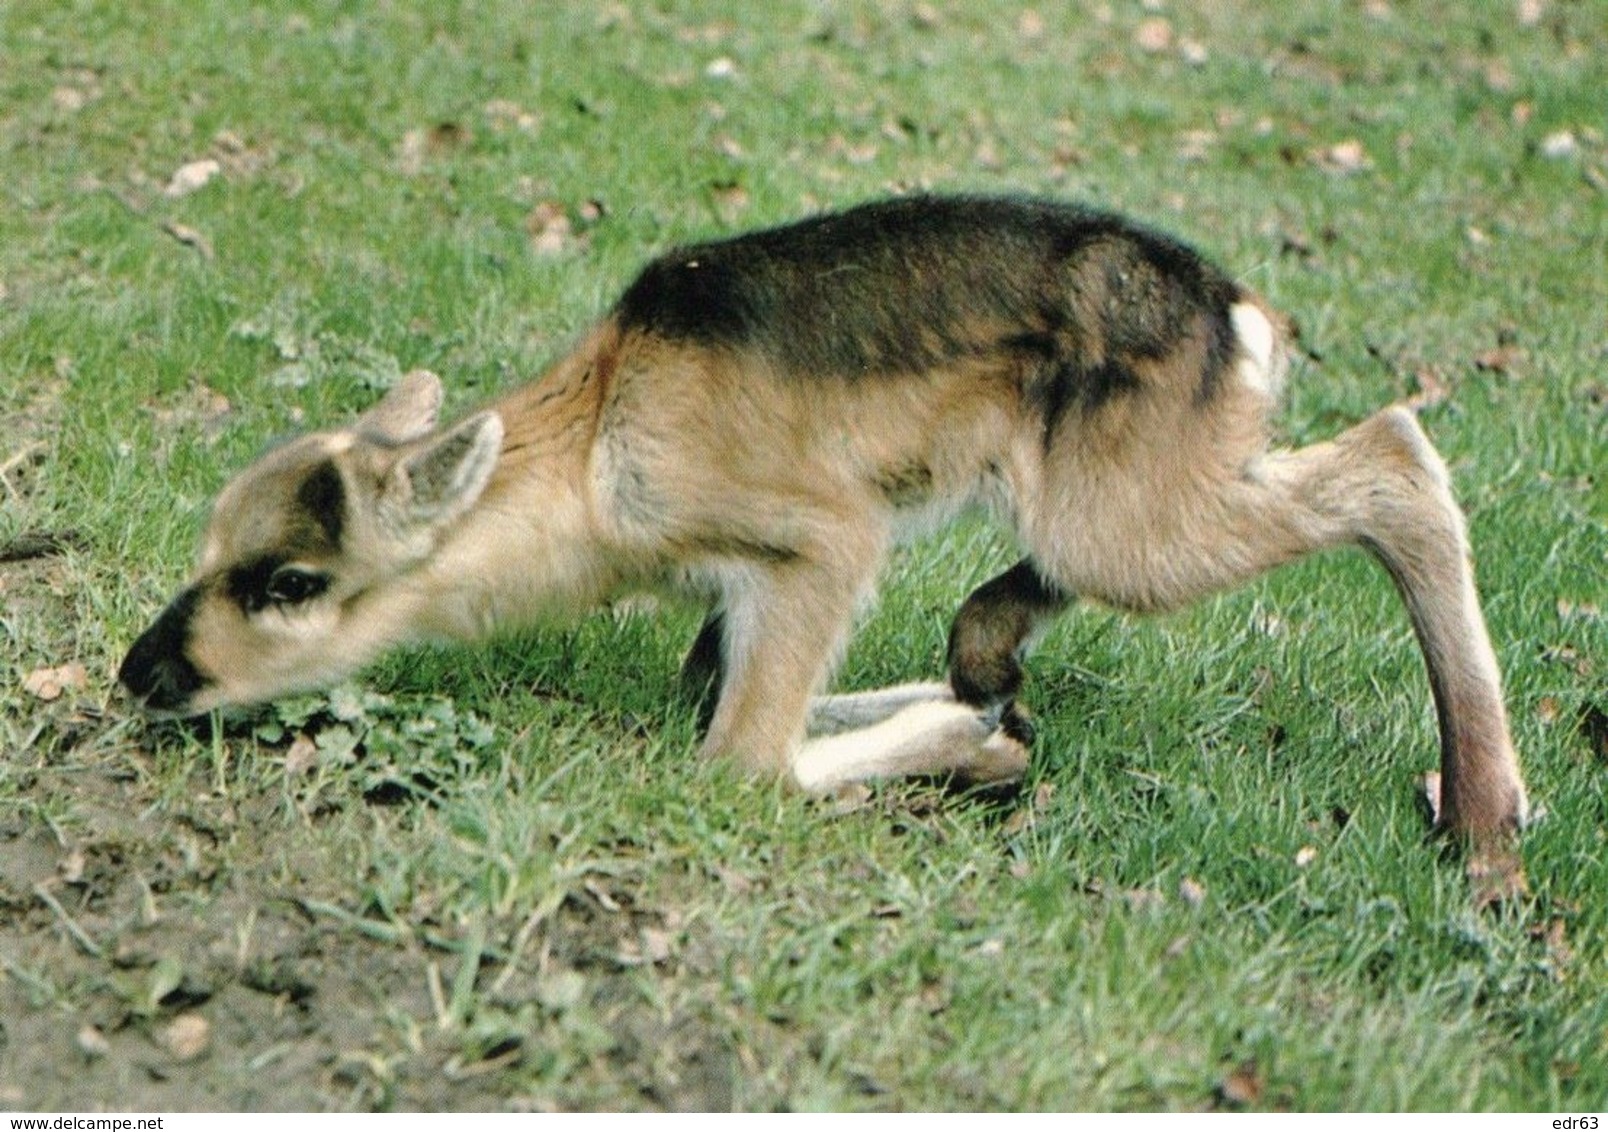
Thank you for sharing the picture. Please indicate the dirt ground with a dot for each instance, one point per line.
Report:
(145, 975)
(167, 946)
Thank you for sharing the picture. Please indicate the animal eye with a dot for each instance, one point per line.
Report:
(291, 586)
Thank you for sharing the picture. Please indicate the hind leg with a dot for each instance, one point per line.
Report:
(1382, 486)
(851, 711)
(990, 634)
(935, 736)
(705, 667)
(1388, 481)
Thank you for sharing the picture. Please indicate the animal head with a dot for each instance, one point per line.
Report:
(305, 551)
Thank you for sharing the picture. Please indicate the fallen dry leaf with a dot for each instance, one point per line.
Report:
(550, 229)
(1304, 856)
(418, 146)
(50, 683)
(1143, 899)
(1431, 390)
(228, 142)
(1065, 158)
(239, 159)
(504, 114)
(410, 155)
(70, 98)
(92, 1043)
(1344, 158)
(191, 176)
(1241, 1087)
(186, 1037)
(36, 544)
(1560, 144)
(851, 798)
(1569, 656)
(1501, 358)
(189, 237)
(1498, 76)
(730, 198)
(862, 153)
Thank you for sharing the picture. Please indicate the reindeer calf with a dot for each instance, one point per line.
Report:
(758, 419)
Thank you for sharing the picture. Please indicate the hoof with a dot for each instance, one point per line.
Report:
(1001, 759)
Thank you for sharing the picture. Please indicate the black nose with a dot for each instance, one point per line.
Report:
(156, 669)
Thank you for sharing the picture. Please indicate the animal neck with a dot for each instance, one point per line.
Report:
(529, 549)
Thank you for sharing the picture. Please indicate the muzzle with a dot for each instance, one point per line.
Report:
(156, 670)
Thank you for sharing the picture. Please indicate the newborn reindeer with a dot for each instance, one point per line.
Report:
(759, 418)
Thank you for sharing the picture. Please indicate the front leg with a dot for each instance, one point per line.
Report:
(703, 672)
(781, 626)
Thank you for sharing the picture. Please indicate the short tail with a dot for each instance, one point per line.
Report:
(1264, 351)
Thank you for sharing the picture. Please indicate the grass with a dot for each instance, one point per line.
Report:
(505, 882)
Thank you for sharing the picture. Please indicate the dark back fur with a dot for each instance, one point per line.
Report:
(907, 285)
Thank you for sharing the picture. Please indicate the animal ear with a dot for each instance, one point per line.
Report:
(443, 477)
(407, 412)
